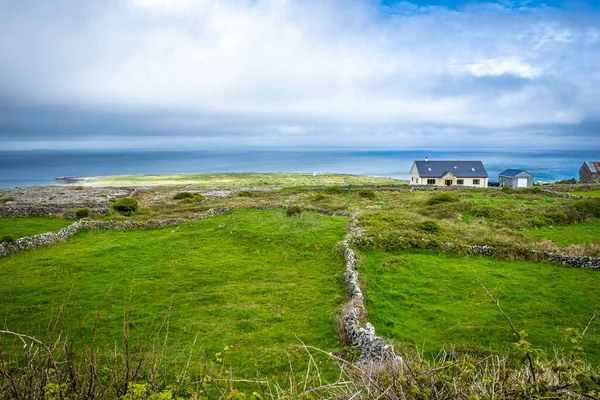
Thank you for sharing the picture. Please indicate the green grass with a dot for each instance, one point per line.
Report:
(252, 279)
(434, 301)
(590, 193)
(582, 233)
(21, 227)
(244, 180)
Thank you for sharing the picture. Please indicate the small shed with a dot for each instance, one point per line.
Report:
(515, 178)
(589, 172)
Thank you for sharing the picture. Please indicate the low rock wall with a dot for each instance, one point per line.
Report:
(9, 210)
(372, 347)
(43, 239)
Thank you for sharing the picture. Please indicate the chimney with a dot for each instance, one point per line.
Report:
(426, 159)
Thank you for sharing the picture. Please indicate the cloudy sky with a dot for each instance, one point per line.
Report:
(329, 73)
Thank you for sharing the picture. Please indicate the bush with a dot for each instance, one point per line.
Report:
(551, 218)
(318, 197)
(334, 190)
(245, 193)
(126, 206)
(7, 239)
(486, 211)
(183, 195)
(367, 194)
(430, 225)
(445, 197)
(506, 188)
(537, 189)
(588, 207)
(294, 210)
(82, 213)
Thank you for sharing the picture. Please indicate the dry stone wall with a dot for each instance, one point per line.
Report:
(372, 347)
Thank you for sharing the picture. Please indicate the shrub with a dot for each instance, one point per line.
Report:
(445, 197)
(245, 193)
(587, 207)
(82, 213)
(334, 190)
(78, 187)
(367, 194)
(537, 189)
(318, 197)
(430, 225)
(506, 188)
(486, 211)
(294, 210)
(183, 195)
(550, 218)
(7, 239)
(126, 206)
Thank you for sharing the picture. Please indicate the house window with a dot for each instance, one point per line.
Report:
(475, 181)
(431, 181)
(460, 181)
(412, 178)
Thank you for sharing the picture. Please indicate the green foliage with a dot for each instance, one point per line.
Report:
(445, 197)
(537, 189)
(506, 189)
(334, 190)
(126, 205)
(183, 195)
(430, 225)
(318, 197)
(564, 235)
(82, 213)
(367, 194)
(7, 239)
(587, 207)
(488, 211)
(293, 211)
(550, 218)
(245, 193)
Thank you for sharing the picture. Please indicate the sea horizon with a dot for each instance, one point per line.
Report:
(20, 168)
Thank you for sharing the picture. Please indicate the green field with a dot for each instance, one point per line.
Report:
(582, 233)
(435, 301)
(20, 227)
(590, 193)
(252, 279)
(243, 180)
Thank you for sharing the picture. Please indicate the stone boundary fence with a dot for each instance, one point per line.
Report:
(43, 239)
(43, 210)
(372, 347)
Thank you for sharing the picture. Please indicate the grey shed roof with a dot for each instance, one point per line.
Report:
(460, 169)
(594, 166)
(513, 172)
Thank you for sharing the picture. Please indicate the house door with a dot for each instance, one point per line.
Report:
(448, 182)
(521, 182)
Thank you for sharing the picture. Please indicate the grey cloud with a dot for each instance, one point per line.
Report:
(295, 72)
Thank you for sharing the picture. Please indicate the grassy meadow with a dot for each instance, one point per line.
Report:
(21, 227)
(435, 301)
(582, 233)
(246, 179)
(256, 281)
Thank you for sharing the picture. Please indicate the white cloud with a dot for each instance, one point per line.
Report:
(293, 63)
(503, 66)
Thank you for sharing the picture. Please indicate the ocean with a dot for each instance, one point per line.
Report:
(42, 167)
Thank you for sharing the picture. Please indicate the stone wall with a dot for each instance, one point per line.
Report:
(10, 210)
(43, 239)
(372, 347)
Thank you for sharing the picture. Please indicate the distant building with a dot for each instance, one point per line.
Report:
(515, 178)
(589, 172)
(449, 173)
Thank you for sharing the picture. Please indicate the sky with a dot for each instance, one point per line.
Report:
(434, 74)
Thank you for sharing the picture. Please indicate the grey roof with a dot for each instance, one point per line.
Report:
(460, 169)
(594, 166)
(513, 172)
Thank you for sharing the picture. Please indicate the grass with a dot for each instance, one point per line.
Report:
(434, 301)
(582, 233)
(252, 279)
(244, 180)
(21, 227)
(590, 193)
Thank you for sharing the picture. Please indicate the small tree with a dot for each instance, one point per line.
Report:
(126, 206)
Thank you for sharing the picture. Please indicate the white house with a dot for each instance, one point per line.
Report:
(449, 173)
